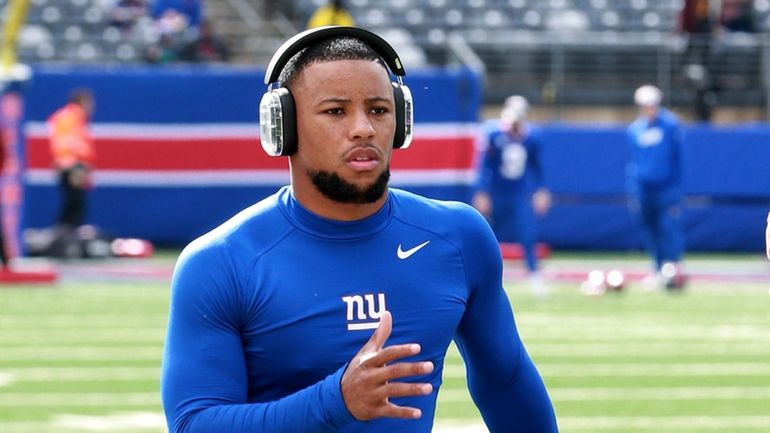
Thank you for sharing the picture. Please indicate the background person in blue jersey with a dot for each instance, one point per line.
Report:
(767, 236)
(655, 174)
(510, 189)
(329, 306)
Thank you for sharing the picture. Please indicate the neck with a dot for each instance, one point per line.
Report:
(313, 200)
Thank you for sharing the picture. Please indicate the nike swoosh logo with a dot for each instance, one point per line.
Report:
(406, 254)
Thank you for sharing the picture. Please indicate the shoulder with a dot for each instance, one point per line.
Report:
(242, 237)
(449, 219)
(490, 127)
(534, 132)
(668, 118)
(460, 226)
(534, 129)
(636, 127)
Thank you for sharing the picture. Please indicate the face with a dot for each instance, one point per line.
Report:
(88, 104)
(648, 111)
(345, 128)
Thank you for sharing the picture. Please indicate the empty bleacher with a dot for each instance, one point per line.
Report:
(559, 52)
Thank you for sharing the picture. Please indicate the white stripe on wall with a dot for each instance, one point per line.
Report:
(192, 131)
(212, 178)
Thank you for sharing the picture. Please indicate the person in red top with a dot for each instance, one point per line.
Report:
(73, 154)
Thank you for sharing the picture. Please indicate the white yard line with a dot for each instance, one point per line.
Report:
(152, 421)
(77, 353)
(85, 374)
(637, 369)
(117, 421)
(630, 423)
(633, 394)
(665, 423)
(79, 399)
(91, 336)
(451, 370)
(6, 379)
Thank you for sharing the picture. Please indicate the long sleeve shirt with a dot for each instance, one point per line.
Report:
(267, 309)
(69, 138)
(509, 163)
(657, 162)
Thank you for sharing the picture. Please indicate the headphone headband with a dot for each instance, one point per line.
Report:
(277, 114)
(307, 38)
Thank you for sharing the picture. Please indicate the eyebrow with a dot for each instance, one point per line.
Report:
(333, 100)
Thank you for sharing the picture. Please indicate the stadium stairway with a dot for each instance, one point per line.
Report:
(251, 37)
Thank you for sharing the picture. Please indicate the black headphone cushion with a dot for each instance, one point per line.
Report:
(398, 96)
(289, 124)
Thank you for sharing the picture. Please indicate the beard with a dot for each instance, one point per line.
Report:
(338, 189)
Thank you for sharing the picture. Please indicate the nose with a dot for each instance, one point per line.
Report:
(361, 127)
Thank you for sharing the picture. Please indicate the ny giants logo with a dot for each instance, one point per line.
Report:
(363, 312)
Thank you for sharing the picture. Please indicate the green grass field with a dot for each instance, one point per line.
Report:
(84, 356)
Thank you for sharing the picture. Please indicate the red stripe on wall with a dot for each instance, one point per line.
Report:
(436, 153)
(167, 154)
(240, 153)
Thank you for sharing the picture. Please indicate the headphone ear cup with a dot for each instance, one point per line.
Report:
(404, 116)
(278, 123)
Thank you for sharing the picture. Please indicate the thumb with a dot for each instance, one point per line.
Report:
(382, 333)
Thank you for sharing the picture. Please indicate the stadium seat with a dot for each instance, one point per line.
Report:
(532, 20)
(50, 14)
(126, 52)
(87, 52)
(374, 18)
(567, 20)
(495, 18)
(73, 33)
(414, 17)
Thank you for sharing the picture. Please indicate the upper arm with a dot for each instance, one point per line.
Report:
(203, 363)
(502, 379)
(487, 335)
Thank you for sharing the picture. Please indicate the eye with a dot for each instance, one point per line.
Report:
(334, 111)
(379, 110)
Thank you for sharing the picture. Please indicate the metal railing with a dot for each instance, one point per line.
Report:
(600, 68)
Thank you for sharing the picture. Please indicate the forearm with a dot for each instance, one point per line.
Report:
(317, 408)
(517, 404)
(205, 377)
(502, 379)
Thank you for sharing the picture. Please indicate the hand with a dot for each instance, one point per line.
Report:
(541, 201)
(366, 385)
(79, 177)
(483, 203)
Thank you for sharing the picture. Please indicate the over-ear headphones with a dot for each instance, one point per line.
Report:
(277, 115)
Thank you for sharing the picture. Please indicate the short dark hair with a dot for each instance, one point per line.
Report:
(331, 49)
(80, 95)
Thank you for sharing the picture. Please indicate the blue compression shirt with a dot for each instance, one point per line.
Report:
(267, 310)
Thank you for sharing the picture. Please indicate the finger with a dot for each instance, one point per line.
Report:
(401, 370)
(391, 410)
(381, 334)
(389, 354)
(401, 389)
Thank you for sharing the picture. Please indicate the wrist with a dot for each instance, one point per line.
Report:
(333, 403)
